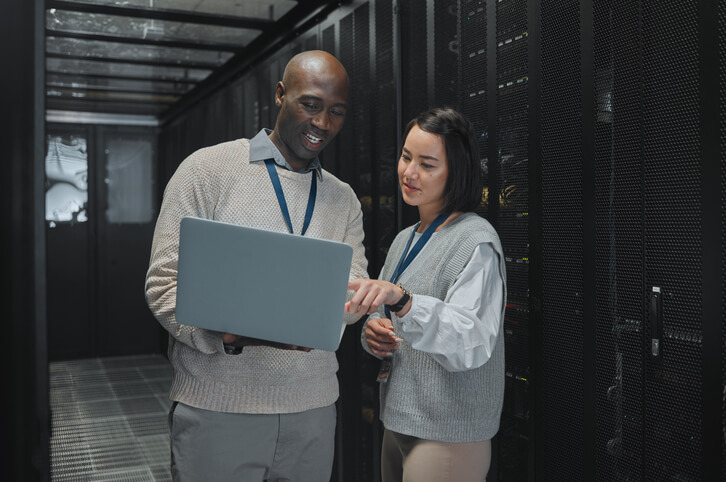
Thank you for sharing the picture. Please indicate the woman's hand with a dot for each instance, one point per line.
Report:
(380, 337)
(370, 294)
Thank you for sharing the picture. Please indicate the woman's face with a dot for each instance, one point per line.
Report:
(423, 169)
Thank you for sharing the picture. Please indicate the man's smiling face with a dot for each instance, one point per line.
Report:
(312, 103)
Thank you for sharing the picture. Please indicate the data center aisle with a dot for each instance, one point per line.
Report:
(109, 419)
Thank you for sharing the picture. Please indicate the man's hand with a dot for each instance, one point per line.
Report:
(242, 341)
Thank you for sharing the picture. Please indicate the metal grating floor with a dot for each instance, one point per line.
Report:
(109, 419)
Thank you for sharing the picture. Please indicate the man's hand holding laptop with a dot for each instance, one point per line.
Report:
(242, 341)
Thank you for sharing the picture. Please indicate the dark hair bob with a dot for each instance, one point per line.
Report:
(463, 188)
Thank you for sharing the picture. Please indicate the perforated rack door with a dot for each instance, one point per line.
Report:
(620, 302)
(508, 183)
(722, 122)
(673, 238)
(562, 242)
(648, 240)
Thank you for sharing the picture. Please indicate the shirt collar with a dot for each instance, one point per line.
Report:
(262, 148)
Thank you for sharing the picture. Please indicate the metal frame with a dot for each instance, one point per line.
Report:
(142, 41)
(163, 14)
(25, 415)
(492, 115)
(74, 75)
(123, 107)
(95, 88)
(398, 76)
(712, 417)
(65, 97)
(82, 117)
(153, 63)
(492, 154)
(536, 353)
(589, 236)
(123, 77)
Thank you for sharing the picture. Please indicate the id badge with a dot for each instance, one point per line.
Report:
(385, 370)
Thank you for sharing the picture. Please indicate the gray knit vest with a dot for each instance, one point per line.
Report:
(422, 398)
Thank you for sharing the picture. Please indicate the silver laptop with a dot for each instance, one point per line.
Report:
(278, 287)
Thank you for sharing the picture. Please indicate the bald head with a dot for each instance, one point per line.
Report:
(316, 62)
(313, 101)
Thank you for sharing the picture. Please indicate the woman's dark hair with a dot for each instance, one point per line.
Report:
(463, 185)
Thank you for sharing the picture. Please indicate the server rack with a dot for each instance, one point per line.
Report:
(632, 325)
(509, 198)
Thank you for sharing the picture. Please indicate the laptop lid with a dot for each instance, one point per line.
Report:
(278, 287)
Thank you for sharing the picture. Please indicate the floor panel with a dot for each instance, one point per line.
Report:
(109, 419)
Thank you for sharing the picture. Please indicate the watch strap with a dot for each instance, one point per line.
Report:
(398, 306)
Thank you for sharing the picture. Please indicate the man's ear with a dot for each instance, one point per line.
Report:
(279, 93)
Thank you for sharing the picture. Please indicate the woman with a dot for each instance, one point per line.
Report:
(437, 313)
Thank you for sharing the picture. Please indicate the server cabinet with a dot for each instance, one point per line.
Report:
(100, 211)
(627, 236)
(509, 209)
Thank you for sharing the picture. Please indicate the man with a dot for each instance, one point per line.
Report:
(246, 409)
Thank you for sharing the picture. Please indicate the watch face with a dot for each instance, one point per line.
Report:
(406, 293)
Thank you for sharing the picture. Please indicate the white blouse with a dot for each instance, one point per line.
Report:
(461, 331)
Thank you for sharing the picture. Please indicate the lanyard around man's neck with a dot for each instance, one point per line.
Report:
(275, 178)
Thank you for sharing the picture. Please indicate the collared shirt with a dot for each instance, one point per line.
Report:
(262, 148)
(471, 311)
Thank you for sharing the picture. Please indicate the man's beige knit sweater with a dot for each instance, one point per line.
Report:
(220, 183)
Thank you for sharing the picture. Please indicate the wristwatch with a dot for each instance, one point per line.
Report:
(398, 306)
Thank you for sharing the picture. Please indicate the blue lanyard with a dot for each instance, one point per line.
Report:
(403, 263)
(406, 260)
(275, 178)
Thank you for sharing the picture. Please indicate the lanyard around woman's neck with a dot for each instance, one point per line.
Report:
(406, 260)
(275, 178)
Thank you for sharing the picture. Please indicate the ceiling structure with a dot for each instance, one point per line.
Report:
(154, 57)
